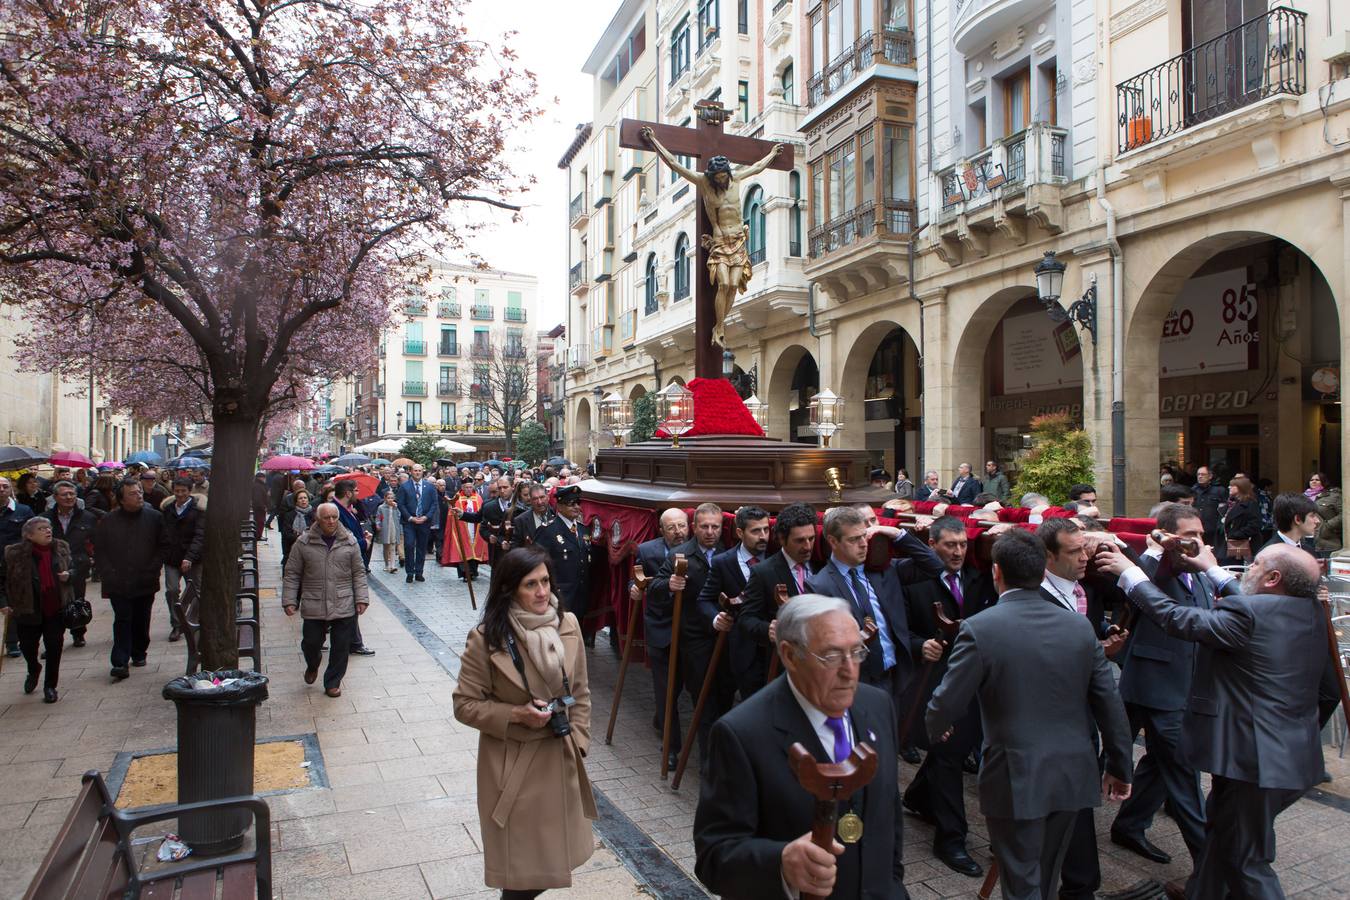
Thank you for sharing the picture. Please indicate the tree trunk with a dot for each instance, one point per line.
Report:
(235, 451)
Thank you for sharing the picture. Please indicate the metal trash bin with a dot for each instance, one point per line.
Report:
(216, 731)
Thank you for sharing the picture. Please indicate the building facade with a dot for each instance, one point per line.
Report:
(441, 369)
(1185, 161)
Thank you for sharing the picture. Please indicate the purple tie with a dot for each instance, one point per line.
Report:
(1186, 580)
(842, 745)
(954, 582)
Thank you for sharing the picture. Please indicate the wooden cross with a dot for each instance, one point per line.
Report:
(703, 142)
(828, 783)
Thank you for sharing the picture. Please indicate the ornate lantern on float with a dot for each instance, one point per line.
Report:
(675, 410)
(616, 417)
(759, 409)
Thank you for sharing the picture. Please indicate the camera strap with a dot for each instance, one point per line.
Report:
(520, 666)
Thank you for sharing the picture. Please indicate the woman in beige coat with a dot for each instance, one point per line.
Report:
(534, 799)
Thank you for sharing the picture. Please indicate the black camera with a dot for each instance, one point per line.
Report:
(557, 715)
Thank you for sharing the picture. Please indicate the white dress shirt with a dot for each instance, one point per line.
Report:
(817, 719)
(1061, 589)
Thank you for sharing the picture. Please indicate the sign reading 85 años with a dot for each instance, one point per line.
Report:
(1212, 328)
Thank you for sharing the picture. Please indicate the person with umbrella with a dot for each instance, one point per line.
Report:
(12, 516)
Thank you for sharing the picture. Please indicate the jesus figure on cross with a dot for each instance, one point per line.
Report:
(729, 266)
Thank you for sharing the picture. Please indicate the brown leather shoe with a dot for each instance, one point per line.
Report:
(333, 692)
(311, 674)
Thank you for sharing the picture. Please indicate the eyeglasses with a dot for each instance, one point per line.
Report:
(835, 658)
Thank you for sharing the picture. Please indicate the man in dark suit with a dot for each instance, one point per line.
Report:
(417, 503)
(1296, 521)
(651, 555)
(1066, 584)
(937, 792)
(1044, 688)
(930, 489)
(1251, 718)
(729, 574)
(1155, 682)
(876, 595)
(528, 522)
(966, 487)
(791, 567)
(752, 828)
(569, 545)
(699, 622)
(495, 514)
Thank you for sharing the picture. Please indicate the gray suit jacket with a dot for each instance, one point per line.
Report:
(1252, 713)
(1044, 687)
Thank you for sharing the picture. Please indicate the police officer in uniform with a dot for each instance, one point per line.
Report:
(569, 545)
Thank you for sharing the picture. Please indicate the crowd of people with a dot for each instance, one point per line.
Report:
(1068, 649)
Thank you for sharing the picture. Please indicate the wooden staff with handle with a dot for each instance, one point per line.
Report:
(780, 596)
(1335, 649)
(455, 535)
(827, 783)
(681, 566)
(947, 628)
(730, 606)
(640, 579)
(990, 881)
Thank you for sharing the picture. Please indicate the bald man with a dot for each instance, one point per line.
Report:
(652, 555)
(1251, 719)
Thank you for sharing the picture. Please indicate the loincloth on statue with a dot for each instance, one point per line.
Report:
(729, 251)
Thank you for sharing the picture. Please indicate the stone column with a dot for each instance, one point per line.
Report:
(939, 375)
(1340, 290)
(1096, 358)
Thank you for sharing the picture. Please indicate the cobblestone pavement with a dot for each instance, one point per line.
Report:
(395, 813)
(1311, 862)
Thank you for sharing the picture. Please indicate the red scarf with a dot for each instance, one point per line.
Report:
(51, 595)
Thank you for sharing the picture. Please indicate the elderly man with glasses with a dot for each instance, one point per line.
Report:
(752, 828)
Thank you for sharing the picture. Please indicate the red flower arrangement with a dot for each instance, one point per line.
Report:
(718, 409)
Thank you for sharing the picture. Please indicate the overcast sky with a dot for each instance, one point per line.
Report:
(554, 41)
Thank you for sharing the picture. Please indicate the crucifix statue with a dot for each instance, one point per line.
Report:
(722, 237)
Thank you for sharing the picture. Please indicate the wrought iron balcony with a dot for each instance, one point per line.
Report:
(578, 209)
(478, 391)
(576, 278)
(415, 307)
(514, 351)
(891, 216)
(1262, 57)
(447, 348)
(481, 312)
(447, 389)
(414, 348)
(895, 46)
(414, 388)
(480, 351)
(1011, 164)
(778, 7)
(757, 256)
(512, 314)
(446, 310)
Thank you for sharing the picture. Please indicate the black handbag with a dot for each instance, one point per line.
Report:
(77, 614)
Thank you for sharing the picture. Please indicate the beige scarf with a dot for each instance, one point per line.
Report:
(538, 634)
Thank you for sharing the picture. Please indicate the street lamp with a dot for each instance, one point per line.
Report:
(1049, 286)
(827, 415)
(399, 417)
(675, 410)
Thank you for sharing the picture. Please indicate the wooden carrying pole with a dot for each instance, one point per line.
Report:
(827, 783)
(634, 613)
(463, 560)
(730, 606)
(681, 567)
(780, 596)
(947, 628)
(990, 881)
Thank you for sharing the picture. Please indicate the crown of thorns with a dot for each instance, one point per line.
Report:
(719, 165)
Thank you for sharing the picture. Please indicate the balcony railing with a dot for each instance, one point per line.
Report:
(577, 208)
(514, 351)
(1032, 156)
(447, 310)
(576, 276)
(511, 314)
(447, 348)
(447, 389)
(894, 46)
(480, 351)
(891, 216)
(757, 256)
(478, 391)
(481, 312)
(578, 355)
(414, 348)
(1260, 58)
(777, 7)
(415, 307)
(414, 388)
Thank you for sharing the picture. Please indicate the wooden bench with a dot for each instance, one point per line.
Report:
(249, 629)
(93, 858)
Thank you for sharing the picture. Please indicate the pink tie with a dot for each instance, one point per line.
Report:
(801, 578)
(1080, 598)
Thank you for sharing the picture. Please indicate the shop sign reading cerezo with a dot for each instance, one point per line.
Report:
(1212, 327)
(1203, 401)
